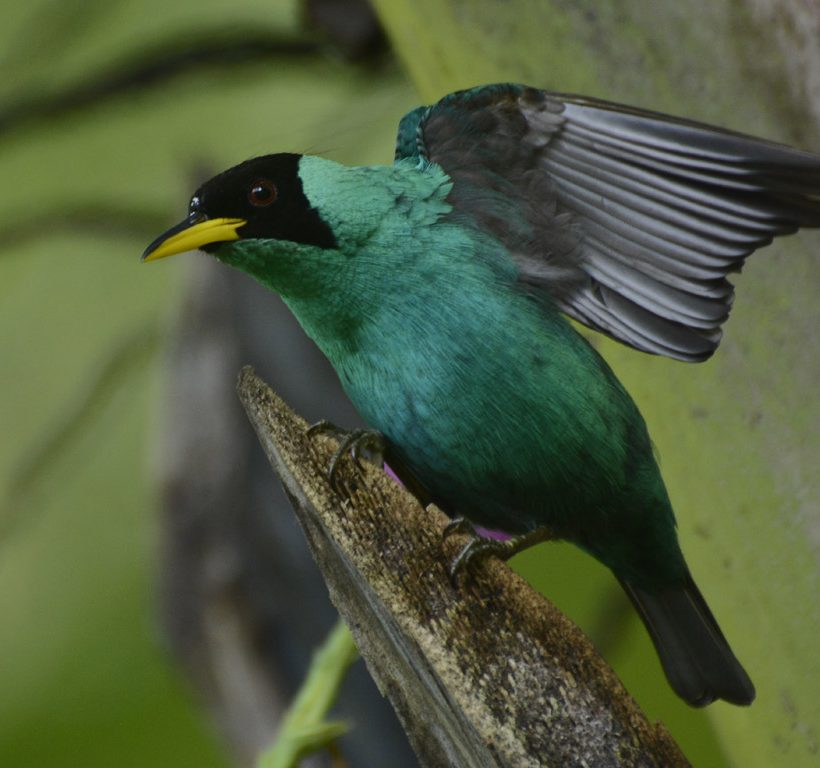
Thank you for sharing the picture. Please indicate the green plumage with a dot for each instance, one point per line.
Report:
(437, 287)
(424, 321)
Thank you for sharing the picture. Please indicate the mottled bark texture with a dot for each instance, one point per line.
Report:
(486, 673)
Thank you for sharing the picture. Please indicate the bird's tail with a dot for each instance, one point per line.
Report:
(696, 658)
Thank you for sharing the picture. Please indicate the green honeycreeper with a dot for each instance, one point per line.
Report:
(437, 287)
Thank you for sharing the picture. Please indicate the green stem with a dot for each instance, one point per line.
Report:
(304, 729)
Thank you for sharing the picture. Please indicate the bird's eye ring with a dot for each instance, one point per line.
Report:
(261, 193)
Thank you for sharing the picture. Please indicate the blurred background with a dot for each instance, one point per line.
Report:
(158, 605)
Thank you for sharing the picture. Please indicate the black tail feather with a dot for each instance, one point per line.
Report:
(696, 658)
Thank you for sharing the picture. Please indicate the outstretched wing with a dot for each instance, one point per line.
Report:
(629, 219)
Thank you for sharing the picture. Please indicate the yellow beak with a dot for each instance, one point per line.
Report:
(192, 233)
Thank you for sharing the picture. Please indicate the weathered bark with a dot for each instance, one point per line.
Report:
(488, 673)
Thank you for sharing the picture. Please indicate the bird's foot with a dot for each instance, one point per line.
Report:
(367, 444)
(460, 525)
(479, 547)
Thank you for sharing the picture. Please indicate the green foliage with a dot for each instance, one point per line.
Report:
(85, 680)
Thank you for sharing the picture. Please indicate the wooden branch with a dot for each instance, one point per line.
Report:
(487, 674)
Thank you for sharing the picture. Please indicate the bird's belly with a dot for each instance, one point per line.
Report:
(498, 435)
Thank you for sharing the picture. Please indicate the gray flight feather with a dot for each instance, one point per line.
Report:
(630, 220)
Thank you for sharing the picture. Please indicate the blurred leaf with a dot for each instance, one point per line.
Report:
(84, 680)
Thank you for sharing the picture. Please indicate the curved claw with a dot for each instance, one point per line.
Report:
(333, 467)
(481, 547)
(459, 525)
(368, 441)
(357, 441)
(325, 427)
(476, 547)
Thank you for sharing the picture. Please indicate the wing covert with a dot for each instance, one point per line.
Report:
(630, 220)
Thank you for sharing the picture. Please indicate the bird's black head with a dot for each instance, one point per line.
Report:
(260, 198)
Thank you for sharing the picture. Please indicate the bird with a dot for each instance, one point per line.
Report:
(441, 289)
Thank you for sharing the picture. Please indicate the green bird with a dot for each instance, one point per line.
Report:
(438, 288)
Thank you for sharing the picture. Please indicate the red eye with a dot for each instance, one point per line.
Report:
(262, 193)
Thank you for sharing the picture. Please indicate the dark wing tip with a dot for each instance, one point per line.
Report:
(644, 214)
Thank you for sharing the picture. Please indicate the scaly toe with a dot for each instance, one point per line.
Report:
(325, 427)
(358, 442)
(459, 525)
(370, 446)
(475, 549)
